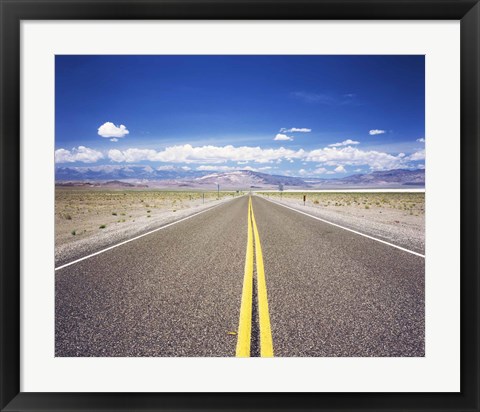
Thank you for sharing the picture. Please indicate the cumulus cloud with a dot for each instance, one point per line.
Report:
(295, 130)
(257, 169)
(78, 154)
(351, 156)
(171, 167)
(213, 168)
(205, 154)
(320, 171)
(108, 129)
(340, 169)
(281, 136)
(373, 132)
(344, 143)
(217, 168)
(114, 139)
(212, 157)
(420, 155)
(421, 140)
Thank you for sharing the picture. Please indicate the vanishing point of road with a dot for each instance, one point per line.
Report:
(245, 278)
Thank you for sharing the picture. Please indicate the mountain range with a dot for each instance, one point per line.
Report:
(147, 176)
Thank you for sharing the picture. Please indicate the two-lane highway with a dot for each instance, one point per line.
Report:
(318, 290)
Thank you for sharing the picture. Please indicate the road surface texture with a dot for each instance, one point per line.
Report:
(245, 278)
(335, 293)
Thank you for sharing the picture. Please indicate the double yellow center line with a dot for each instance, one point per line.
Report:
(245, 323)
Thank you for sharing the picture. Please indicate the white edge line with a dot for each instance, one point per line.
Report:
(139, 236)
(346, 228)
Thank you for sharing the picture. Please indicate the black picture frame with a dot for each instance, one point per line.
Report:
(14, 11)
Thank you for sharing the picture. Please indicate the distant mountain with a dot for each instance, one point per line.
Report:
(248, 178)
(118, 172)
(114, 175)
(398, 176)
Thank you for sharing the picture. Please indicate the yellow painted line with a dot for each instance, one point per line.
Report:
(266, 343)
(245, 322)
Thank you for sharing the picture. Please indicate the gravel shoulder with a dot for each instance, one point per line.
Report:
(392, 225)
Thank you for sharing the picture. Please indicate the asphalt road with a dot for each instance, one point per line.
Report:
(178, 291)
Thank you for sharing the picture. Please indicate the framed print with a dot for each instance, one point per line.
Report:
(236, 206)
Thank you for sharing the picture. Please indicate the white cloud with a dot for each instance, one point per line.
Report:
(376, 131)
(63, 156)
(216, 168)
(351, 156)
(295, 130)
(320, 171)
(183, 155)
(344, 143)
(281, 136)
(420, 155)
(257, 169)
(79, 154)
(421, 140)
(114, 139)
(108, 129)
(205, 154)
(171, 167)
(340, 169)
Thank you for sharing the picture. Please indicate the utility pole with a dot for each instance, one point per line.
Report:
(218, 191)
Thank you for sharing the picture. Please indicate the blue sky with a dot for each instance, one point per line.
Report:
(322, 116)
